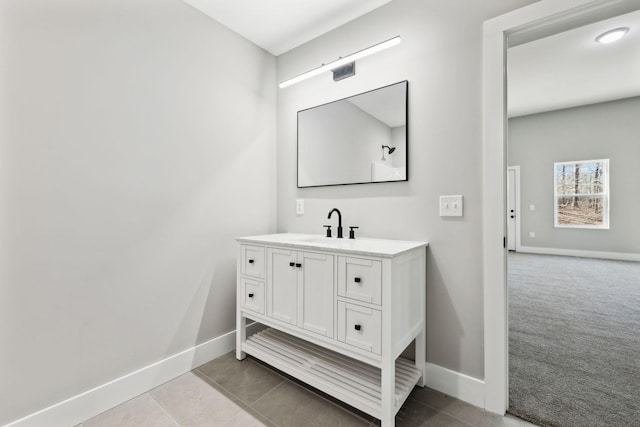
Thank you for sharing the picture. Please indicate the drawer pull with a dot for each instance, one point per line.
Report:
(298, 265)
(250, 295)
(251, 261)
(357, 280)
(357, 327)
(291, 264)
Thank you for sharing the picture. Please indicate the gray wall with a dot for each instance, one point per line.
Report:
(601, 131)
(399, 141)
(441, 57)
(339, 144)
(138, 138)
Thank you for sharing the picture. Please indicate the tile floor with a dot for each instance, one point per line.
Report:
(229, 393)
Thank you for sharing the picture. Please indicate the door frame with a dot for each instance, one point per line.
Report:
(525, 24)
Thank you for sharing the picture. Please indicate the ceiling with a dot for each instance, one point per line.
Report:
(570, 69)
(280, 25)
(564, 70)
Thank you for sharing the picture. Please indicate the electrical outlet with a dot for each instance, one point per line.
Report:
(532, 234)
(299, 206)
(532, 207)
(450, 205)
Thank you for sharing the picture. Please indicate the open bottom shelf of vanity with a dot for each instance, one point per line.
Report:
(355, 383)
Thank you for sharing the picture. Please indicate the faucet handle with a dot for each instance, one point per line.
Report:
(352, 232)
(328, 230)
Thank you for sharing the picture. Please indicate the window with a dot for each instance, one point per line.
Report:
(582, 194)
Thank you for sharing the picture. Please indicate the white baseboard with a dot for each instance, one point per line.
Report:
(620, 256)
(86, 405)
(455, 384)
(92, 402)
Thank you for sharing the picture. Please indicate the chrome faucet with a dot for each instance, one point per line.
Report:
(339, 221)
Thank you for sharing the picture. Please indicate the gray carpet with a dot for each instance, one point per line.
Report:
(574, 341)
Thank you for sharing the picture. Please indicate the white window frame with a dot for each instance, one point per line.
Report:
(604, 194)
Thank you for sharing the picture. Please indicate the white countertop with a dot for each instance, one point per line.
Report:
(358, 246)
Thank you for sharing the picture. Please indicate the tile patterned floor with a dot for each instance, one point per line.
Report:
(229, 393)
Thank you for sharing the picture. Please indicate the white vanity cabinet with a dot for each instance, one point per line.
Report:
(338, 313)
(300, 289)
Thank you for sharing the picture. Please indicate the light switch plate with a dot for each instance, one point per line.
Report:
(450, 205)
(299, 206)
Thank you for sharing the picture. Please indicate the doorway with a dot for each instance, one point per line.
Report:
(529, 23)
(571, 349)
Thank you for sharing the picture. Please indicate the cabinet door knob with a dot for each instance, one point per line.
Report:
(357, 327)
(291, 264)
(250, 295)
(251, 261)
(298, 265)
(357, 279)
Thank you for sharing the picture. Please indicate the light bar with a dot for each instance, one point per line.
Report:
(342, 61)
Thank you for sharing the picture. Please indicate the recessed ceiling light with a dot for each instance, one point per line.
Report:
(612, 35)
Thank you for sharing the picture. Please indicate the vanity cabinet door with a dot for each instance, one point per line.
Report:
(316, 297)
(282, 287)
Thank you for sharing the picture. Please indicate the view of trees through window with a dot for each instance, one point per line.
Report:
(581, 194)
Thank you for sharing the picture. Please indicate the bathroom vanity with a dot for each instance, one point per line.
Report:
(338, 312)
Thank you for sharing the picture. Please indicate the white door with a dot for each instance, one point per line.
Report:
(512, 207)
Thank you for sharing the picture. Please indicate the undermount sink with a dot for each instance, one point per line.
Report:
(313, 239)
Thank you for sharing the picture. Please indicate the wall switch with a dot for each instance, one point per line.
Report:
(532, 207)
(532, 234)
(450, 205)
(299, 206)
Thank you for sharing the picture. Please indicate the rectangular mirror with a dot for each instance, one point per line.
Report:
(357, 140)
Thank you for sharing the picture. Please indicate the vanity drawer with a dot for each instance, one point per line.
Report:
(253, 261)
(360, 279)
(253, 295)
(360, 326)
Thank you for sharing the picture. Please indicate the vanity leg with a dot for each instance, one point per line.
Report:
(388, 394)
(241, 335)
(421, 355)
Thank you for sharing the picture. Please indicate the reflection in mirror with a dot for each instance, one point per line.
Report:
(356, 140)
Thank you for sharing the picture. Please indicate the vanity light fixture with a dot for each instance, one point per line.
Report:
(341, 65)
(612, 35)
